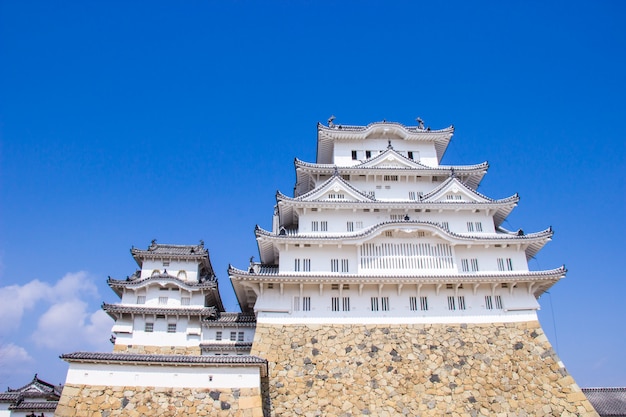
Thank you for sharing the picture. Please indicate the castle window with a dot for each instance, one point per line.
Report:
(413, 303)
(396, 216)
(384, 303)
(233, 336)
(371, 194)
(346, 286)
(409, 154)
(306, 265)
(354, 157)
(240, 337)
(344, 265)
(185, 301)
(171, 327)
(166, 263)
(218, 335)
(296, 266)
(374, 303)
(489, 302)
(335, 303)
(388, 233)
(296, 303)
(148, 327)
(141, 299)
(324, 226)
(334, 287)
(461, 299)
(163, 300)
(412, 195)
(470, 226)
(469, 265)
(423, 303)
(451, 303)
(306, 303)
(346, 303)
(445, 226)
(390, 178)
(350, 226)
(334, 265)
(479, 226)
(359, 224)
(505, 264)
(270, 286)
(368, 154)
(315, 225)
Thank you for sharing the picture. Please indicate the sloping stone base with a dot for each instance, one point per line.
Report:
(100, 401)
(507, 369)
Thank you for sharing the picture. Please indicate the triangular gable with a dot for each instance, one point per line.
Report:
(454, 191)
(335, 189)
(391, 159)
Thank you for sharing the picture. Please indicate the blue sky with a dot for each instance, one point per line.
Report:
(122, 122)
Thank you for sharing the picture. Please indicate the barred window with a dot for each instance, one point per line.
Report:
(171, 327)
(335, 303)
(240, 337)
(148, 327)
(350, 226)
(306, 303)
(374, 303)
(141, 299)
(185, 301)
(218, 335)
(346, 303)
(505, 264)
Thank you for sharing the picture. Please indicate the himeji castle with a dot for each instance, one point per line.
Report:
(385, 286)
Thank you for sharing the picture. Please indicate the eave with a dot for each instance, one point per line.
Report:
(268, 242)
(117, 310)
(168, 360)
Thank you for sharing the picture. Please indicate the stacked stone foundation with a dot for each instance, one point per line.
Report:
(507, 369)
(102, 401)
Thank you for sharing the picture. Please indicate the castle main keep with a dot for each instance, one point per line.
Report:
(386, 286)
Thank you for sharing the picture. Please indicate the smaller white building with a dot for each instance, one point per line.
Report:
(38, 398)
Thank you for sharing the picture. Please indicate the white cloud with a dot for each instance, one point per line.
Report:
(15, 300)
(13, 358)
(68, 325)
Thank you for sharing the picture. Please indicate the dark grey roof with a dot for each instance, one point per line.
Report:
(9, 396)
(114, 309)
(607, 401)
(180, 360)
(34, 405)
(37, 387)
(206, 283)
(229, 319)
(225, 346)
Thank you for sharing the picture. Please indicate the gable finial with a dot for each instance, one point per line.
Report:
(336, 172)
(389, 145)
(420, 123)
(330, 121)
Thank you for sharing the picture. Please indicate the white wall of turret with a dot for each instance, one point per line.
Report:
(163, 296)
(343, 152)
(447, 302)
(344, 221)
(185, 270)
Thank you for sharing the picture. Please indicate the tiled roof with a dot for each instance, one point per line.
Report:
(182, 360)
(210, 283)
(37, 384)
(237, 319)
(9, 396)
(173, 250)
(353, 128)
(34, 405)
(607, 401)
(226, 346)
(112, 309)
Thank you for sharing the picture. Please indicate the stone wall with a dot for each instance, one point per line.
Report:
(415, 370)
(158, 350)
(101, 401)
